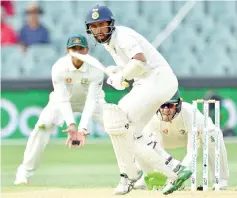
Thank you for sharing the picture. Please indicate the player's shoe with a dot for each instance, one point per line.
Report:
(21, 181)
(183, 175)
(176, 169)
(176, 165)
(122, 186)
(22, 177)
(126, 185)
(140, 184)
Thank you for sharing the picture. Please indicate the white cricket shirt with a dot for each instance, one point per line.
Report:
(75, 89)
(177, 132)
(125, 43)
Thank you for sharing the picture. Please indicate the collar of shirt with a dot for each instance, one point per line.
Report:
(82, 69)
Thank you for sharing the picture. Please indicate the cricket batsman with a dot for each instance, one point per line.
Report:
(171, 127)
(135, 59)
(77, 88)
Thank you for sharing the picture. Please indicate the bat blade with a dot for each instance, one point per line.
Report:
(94, 62)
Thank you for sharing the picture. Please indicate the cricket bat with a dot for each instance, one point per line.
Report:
(94, 62)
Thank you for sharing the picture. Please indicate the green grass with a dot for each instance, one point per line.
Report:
(91, 166)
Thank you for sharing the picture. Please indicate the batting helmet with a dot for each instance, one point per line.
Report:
(99, 14)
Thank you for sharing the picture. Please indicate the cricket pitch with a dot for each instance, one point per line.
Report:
(108, 192)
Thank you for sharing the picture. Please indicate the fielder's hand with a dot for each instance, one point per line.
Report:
(83, 131)
(75, 139)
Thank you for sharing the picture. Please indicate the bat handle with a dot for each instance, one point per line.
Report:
(124, 83)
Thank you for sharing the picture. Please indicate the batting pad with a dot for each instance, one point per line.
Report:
(115, 120)
(124, 151)
(148, 156)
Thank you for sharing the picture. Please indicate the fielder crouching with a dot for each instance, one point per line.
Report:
(171, 127)
(77, 88)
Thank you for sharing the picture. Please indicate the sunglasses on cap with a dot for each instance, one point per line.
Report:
(169, 105)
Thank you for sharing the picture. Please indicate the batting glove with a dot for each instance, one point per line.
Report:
(115, 80)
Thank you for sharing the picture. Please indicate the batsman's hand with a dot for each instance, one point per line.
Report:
(116, 81)
(75, 139)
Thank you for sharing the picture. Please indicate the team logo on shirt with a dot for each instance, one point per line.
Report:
(68, 80)
(95, 15)
(84, 81)
(165, 131)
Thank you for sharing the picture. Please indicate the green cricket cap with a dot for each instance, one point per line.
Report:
(175, 98)
(77, 40)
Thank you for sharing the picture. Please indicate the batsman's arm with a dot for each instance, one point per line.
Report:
(92, 99)
(62, 95)
(136, 66)
(131, 47)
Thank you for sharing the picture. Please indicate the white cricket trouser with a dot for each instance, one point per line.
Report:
(140, 104)
(39, 138)
(147, 95)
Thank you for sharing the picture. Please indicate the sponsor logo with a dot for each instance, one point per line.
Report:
(68, 80)
(76, 41)
(84, 81)
(165, 131)
(212, 139)
(216, 180)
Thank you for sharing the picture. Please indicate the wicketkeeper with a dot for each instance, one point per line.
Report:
(171, 127)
